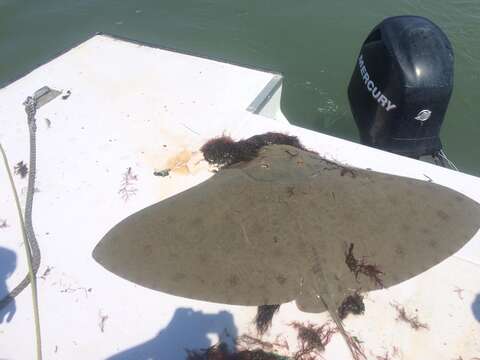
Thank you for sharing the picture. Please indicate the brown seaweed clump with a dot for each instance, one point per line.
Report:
(223, 151)
(312, 339)
(353, 304)
(249, 342)
(411, 320)
(263, 319)
(220, 352)
(21, 169)
(361, 267)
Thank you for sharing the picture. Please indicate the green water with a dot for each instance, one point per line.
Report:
(313, 43)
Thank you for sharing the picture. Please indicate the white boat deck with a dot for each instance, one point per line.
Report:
(134, 106)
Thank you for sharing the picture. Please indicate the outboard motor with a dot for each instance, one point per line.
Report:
(401, 86)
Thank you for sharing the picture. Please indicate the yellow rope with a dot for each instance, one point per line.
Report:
(33, 280)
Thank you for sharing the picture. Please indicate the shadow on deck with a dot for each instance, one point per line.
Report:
(188, 330)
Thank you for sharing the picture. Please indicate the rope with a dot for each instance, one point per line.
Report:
(444, 157)
(31, 245)
(30, 109)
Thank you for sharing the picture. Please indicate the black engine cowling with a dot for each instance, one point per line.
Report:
(401, 86)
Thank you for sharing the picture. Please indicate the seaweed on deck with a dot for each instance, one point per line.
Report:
(21, 169)
(412, 320)
(221, 352)
(352, 304)
(250, 342)
(312, 339)
(127, 189)
(263, 319)
(224, 151)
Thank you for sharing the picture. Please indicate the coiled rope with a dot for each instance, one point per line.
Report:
(31, 245)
